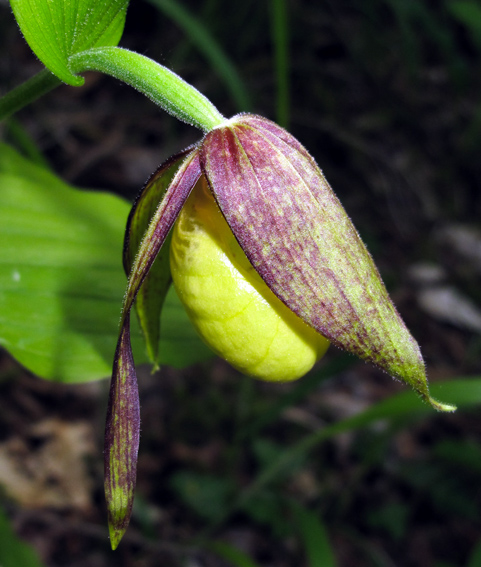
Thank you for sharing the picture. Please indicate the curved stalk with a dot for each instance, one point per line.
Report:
(158, 83)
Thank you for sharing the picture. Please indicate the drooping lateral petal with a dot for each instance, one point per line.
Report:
(123, 421)
(122, 433)
(297, 235)
(151, 295)
(161, 223)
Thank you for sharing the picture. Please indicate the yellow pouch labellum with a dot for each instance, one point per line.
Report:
(233, 310)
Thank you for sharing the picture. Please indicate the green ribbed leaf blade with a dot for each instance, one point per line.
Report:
(62, 282)
(56, 30)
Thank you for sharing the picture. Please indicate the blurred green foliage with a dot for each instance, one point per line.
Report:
(13, 550)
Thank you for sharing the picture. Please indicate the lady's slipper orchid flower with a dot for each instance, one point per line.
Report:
(262, 241)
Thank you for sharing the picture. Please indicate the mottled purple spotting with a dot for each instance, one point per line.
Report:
(297, 235)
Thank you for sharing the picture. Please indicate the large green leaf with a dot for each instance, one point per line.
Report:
(62, 282)
(57, 29)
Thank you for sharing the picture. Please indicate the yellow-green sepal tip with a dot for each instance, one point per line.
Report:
(115, 536)
(439, 406)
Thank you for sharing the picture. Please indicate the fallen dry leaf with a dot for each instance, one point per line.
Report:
(47, 467)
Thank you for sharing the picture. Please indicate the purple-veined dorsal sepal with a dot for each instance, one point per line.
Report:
(123, 422)
(299, 238)
(151, 296)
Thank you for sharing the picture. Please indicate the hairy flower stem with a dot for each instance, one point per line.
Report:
(162, 86)
(158, 83)
(27, 92)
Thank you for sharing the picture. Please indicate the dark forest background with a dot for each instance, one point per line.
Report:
(385, 94)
